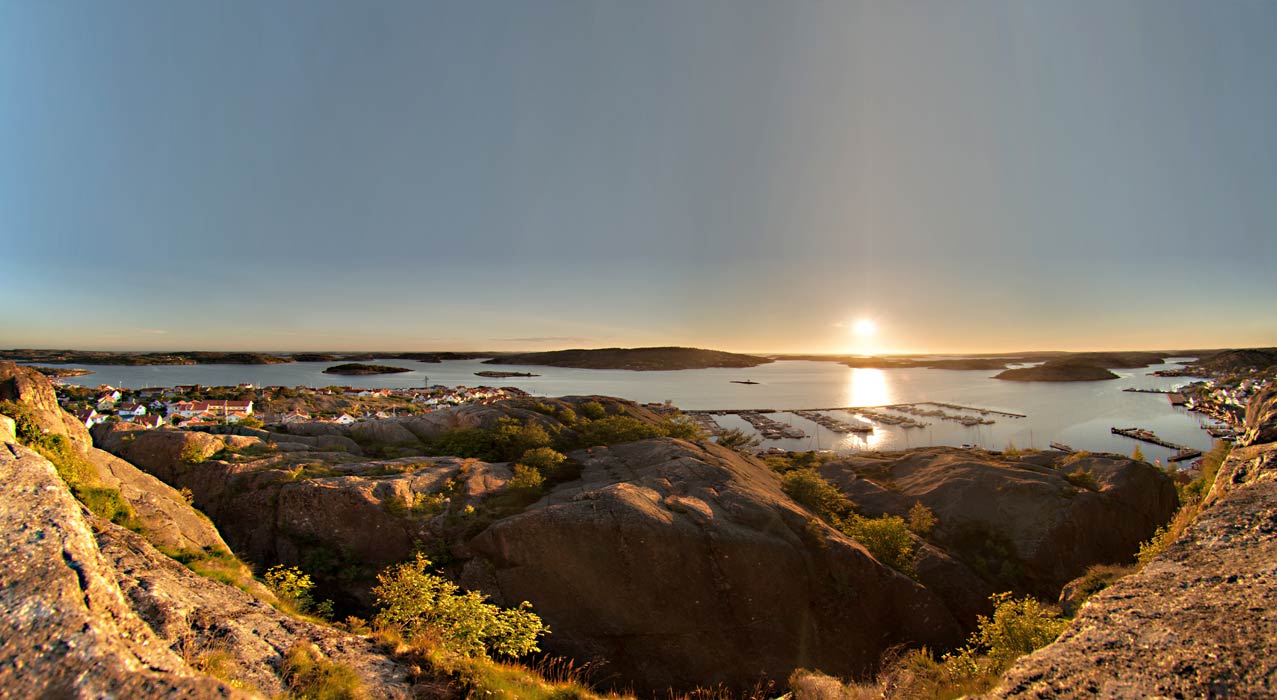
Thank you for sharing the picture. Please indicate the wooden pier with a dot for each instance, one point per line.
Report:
(1183, 452)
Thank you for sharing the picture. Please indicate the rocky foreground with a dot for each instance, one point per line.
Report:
(1199, 621)
(664, 563)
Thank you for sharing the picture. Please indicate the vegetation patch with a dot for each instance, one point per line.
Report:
(1083, 479)
(310, 676)
(415, 600)
(1191, 496)
(294, 589)
(73, 468)
(1016, 628)
(887, 537)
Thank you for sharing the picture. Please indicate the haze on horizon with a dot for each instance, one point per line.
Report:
(984, 176)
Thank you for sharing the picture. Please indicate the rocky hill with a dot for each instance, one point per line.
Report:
(691, 530)
(640, 359)
(1198, 621)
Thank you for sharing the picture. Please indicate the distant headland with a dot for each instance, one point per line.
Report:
(636, 359)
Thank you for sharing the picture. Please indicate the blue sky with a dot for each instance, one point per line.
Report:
(974, 176)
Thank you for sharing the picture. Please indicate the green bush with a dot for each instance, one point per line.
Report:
(545, 460)
(737, 439)
(887, 538)
(683, 428)
(526, 480)
(814, 493)
(1083, 479)
(593, 410)
(415, 600)
(192, 453)
(1018, 627)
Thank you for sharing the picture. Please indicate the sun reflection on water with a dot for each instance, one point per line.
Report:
(868, 387)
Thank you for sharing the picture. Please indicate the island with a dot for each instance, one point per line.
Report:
(490, 374)
(359, 368)
(635, 359)
(1058, 371)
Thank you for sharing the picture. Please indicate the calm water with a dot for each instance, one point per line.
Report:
(1075, 413)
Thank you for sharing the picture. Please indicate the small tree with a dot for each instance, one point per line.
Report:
(1138, 454)
(922, 520)
(293, 586)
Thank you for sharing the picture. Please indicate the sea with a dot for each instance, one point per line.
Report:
(1077, 414)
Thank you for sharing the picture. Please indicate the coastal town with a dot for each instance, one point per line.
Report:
(195, 406)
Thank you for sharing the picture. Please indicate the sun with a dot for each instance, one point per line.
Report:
(864, 328)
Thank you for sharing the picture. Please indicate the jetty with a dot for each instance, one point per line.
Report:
(1182, 453)
(707, 422)
(1062, 447)
(981, 411)
(1133, 390)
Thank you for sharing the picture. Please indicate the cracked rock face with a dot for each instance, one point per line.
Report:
(683, 565)
(65, 629)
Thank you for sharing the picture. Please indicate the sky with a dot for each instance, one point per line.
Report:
(747, 175)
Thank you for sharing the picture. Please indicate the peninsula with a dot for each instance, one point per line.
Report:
(359, 368)
(637, 359)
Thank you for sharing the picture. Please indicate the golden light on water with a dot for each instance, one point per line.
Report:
(868, 387)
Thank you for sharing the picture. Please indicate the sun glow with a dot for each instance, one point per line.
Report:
(864, 328)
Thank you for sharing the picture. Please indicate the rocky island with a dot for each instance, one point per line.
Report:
(637, 359)
(1056, 373)
(491, 374)
(357, 368)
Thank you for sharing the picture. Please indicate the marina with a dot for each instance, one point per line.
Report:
(833, 424)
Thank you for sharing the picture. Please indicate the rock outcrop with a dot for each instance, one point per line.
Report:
(163, 512)
(66, 630)
(91, 610)
(1019, 522)
(1199, 620)
(683, 565)
(27, 387)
